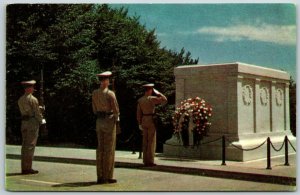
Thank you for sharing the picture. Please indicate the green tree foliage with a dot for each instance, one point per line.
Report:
(74, 42)
(26, 52)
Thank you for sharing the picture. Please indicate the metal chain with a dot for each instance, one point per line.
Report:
(126, 141)
(211, 141)
(246, 149)
(291, 144)
(275, 148)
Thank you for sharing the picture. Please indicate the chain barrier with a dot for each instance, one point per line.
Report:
(126, 141)
(211, 141)
(246, 149)
(224, 139)
(277, 150)
(291, 144)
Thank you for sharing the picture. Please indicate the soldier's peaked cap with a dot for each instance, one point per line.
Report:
(149, 85)
(104, 74)
(28, 83)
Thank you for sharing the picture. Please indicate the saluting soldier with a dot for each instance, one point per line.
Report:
(145, 118)
(106, 107)
(31, 120)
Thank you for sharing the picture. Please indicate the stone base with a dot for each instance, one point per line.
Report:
(213, 150)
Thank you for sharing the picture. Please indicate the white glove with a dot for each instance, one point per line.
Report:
(141, 128)
(155, 91)
(43, 121)
(42, 108)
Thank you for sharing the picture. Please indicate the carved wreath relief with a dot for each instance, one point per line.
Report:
(279, 97)
(247, 94)
(264, 96)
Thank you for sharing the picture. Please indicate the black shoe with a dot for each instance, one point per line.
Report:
(112, 181)
(30, 171)
(101, 181)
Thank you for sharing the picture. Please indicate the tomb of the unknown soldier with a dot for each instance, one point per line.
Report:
(250, 104)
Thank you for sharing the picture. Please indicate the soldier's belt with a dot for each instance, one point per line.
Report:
(26, 117)
(103, 114)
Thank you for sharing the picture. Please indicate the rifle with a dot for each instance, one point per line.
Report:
(118, 128)
(43, 128)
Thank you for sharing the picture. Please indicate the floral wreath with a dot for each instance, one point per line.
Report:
(194, 110)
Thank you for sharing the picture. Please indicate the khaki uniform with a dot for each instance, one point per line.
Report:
(104, 100)
(145, 112)
(31, 120)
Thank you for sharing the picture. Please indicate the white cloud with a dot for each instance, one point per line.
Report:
(161, 34)
(284, 35)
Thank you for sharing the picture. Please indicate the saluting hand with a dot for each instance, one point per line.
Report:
(157, 92)
(141, 128)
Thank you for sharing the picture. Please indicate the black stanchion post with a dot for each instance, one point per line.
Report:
(286, 146)
(268, 153)
(223, 150)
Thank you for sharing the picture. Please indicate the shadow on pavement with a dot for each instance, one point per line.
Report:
(13, 174)
(76, 184)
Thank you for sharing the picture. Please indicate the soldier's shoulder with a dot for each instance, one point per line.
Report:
(33, 98)
(21, 99)
(139, 100)
(142, 99)
(111, 93)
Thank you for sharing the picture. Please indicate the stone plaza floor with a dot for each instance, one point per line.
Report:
(126, 163)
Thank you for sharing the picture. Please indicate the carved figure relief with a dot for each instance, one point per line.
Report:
(279, 97)
(247, 94)
(264, 96)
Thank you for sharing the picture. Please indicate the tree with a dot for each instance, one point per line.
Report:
(25, 52)
(75, 42)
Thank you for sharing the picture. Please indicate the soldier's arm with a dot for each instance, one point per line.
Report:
(37, 112)
(139, 114)
(160, 99)
(114, 104)
(21, 107)
(25, 110)
(163, 99)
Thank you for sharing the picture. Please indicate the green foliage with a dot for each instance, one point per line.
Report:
(75, 42)
(72, 43)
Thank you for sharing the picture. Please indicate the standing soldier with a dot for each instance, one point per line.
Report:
(145, 118)
(106, 107)
(31, 121)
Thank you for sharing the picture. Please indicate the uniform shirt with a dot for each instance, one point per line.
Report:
(104, 100)
(146, 105)
(29, 106)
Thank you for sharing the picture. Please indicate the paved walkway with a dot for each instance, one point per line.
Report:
(251, 170)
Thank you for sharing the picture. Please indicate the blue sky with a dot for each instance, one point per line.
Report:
(259, 34)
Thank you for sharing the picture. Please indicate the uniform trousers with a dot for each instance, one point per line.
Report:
(149, 140)
(105, 153)
(30, 132)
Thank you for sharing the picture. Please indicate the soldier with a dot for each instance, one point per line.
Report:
(145, 118)
(31, 121)
(106, 107)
